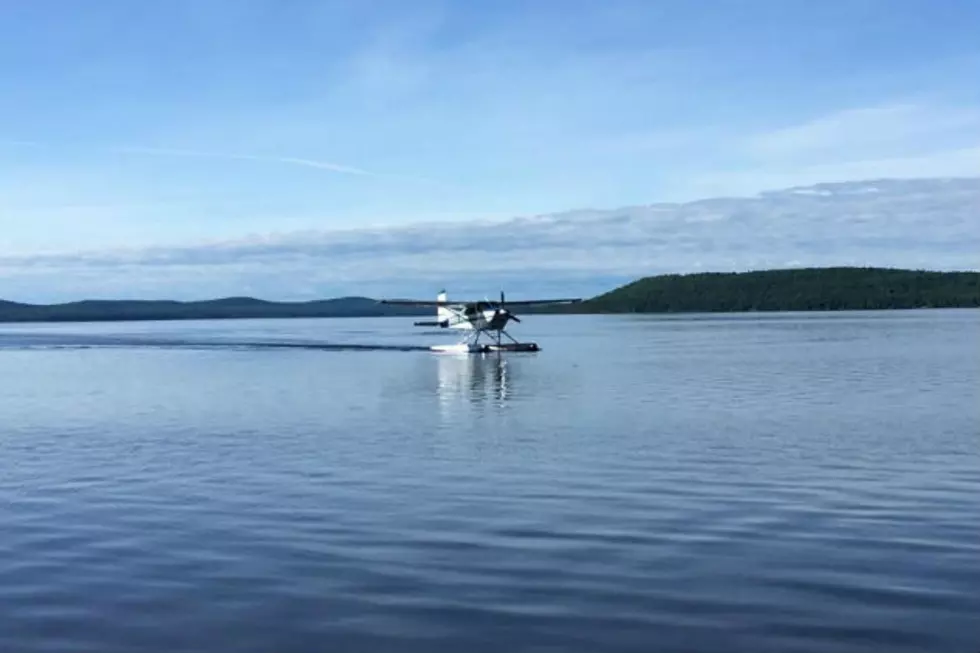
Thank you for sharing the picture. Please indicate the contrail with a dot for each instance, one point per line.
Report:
(231, 156)
(17, 143)
(290, 160)
(309, 163)
(161, 151)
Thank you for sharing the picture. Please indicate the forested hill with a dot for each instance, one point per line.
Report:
(808, 289)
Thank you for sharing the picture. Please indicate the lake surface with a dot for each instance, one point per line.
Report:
(788, 482)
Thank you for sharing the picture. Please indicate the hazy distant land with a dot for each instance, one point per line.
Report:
(225, 308)
(809, 289)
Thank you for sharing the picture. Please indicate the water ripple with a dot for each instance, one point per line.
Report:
(791, 484)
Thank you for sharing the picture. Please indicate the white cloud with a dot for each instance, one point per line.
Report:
(915, 223)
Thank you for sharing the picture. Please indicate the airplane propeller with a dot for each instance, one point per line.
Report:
(502, 310)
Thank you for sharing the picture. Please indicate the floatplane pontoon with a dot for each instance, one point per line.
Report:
(477, 318)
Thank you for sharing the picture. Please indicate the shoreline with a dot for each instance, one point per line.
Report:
(830, 289)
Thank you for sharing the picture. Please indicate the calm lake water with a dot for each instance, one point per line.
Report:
(726, 483)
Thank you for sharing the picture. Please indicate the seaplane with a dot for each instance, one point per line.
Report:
(477, 318)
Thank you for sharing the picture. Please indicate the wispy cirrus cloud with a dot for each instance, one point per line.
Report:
(902, 139)
(881, 131)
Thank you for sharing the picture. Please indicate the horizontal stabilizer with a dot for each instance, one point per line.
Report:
(444, 324)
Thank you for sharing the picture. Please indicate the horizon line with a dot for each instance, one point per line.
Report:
(636, 279)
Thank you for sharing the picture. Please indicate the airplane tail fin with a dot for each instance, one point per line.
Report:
(443, 313)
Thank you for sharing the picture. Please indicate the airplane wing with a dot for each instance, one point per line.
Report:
(536, 302)
(421, 302)
(457, 302)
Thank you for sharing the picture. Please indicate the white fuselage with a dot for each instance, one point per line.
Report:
(476, 320)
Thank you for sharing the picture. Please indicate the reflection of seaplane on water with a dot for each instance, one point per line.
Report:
(473, 380)
(477, 318)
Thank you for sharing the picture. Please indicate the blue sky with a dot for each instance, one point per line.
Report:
(182, 123)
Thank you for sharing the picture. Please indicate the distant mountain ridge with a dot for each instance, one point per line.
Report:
(795, 289)
(97, 310)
